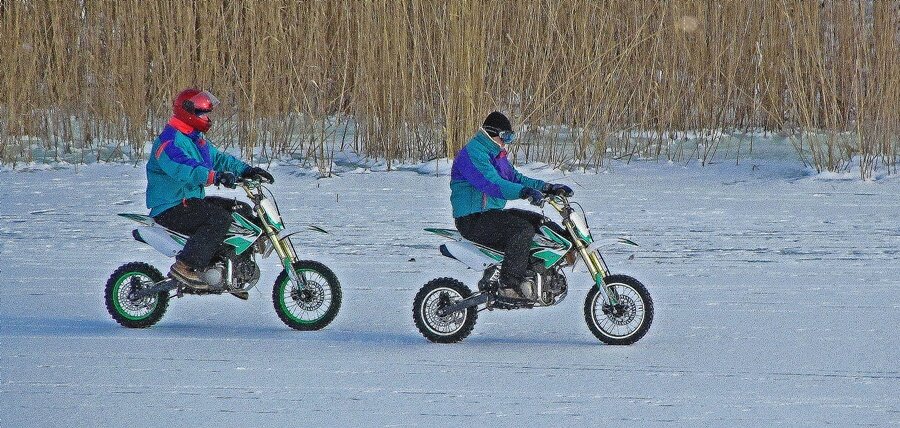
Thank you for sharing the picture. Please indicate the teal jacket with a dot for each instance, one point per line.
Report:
(181, 164)
(482, 178)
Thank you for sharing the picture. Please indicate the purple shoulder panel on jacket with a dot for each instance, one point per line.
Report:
(464, 170)
(177, 155)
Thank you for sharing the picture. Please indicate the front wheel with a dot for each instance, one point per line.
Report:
(450, 328)
(625, 322)
(119, 295)
(313, 306)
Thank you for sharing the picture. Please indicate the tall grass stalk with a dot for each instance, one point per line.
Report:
(584, 80)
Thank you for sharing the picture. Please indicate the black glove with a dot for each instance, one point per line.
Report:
(534, 196)
(225, 178)
(257, 173)
(558, 189)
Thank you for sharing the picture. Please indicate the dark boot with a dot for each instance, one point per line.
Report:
(518, 289)
(187, 275)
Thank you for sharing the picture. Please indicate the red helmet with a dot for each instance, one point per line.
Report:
(193, 106)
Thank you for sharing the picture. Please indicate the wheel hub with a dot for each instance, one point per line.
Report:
(441, 317)
(135, 285)
(308, 298)
(128, 300)
(621, 313)
(443, 302)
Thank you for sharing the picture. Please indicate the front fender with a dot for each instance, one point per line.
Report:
(596, 245)
(284, 233)
(287, 233)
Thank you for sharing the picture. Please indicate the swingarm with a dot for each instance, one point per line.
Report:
(464, 304)
(493, 302)
(162, 286)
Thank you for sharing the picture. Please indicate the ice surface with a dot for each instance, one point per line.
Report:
(777, 300)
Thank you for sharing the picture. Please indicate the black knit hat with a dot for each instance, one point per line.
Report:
(495, 123)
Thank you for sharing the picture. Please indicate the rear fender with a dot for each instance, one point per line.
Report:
(471, 255)
(162, 240)
(447, 233)
(140, 218)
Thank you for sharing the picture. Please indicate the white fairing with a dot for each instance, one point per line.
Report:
(270, 210)
(159, 239)
(469, 255)
(580, 224)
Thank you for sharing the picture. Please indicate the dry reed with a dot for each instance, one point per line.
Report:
(411, 79)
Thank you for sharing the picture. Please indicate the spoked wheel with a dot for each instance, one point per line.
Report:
(313, 306)
(625, 322)
(120, 302)
(449, 328)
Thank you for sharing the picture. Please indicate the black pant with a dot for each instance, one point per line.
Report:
(206, 221)
(510, 231)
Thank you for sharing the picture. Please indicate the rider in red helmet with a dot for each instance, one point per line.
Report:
(193, 106)
(182, 163)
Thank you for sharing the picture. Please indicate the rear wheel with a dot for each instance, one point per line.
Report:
(450, 328)
(313, 306)
(119, 295)
(625, 322)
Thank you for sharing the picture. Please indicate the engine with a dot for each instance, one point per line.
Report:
(244, 272)
(550, 287)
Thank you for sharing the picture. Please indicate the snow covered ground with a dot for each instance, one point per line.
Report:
(777, 298)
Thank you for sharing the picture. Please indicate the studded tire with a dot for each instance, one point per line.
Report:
(312, 308)
(627, 325)
(451, 328)
(129, 312)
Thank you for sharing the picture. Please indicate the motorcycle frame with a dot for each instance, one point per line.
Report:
(582, 242)
(591, 257)
(282, 246)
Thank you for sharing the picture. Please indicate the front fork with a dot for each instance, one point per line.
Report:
(285, 250)
(288, 257)
(595, 264)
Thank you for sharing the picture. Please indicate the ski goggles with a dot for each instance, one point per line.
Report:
(506, 136)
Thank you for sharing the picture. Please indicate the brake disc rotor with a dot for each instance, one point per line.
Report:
(310, 298)
(622, 313)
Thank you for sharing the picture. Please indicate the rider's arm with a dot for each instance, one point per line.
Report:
(178, 165)
(223, 161)
(475, 166)
(528, 181)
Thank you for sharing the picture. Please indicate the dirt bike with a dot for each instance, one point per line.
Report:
(306, 295)
(618, 308)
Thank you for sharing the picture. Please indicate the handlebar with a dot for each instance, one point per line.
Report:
(551, 196)
(251, 186)
(251, 182)
(559, 202)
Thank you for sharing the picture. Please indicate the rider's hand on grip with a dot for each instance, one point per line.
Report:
(558, 189)
(226, 178)
(534, 196)
(256, 172)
